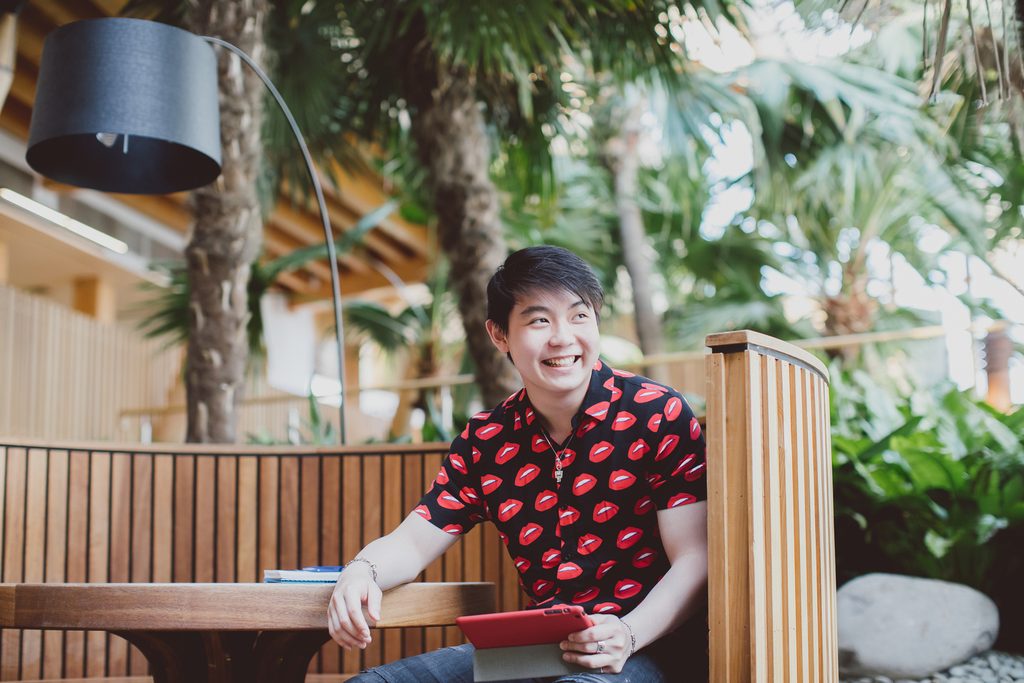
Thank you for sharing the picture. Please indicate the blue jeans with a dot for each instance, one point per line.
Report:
(677, 658)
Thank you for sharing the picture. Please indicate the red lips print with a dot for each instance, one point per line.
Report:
(605, 567)
(481, 417)
(681, 499)
(506, 453)
(442, 477)
(607, 608)
(623, 421)
(458, 463)
(644, 557)
(489, 483)
(526, 474)
(600, 451)
(476, 454)
(545, 501)
(622, 373)
(585, 595)
(615, 395)
(509, 509)
(567, 457)
(469, 495)
(530, 416)
(694, 428)
(551, 558)
(568, 516)
(567, 571)
(422, 511)
(588, 543)
(654, 423)
(643, 506)
(598, 410)
(522, 564)
(673, 407)
(529, 533)
(539, 444)
(453, 529)
(450, 502)
(488, 431)
(655, 481)
(609, 383)
(542, 586)
(695, 473)
(627, 588)
(646, 395)
(583, 483)
(684, 464)
(586, 427)
(604, 511)
(638, 450)
(621, 480)
(628, 537)
(517, 422)
(667, 445)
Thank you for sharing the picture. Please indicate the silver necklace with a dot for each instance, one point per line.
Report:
(558, 454)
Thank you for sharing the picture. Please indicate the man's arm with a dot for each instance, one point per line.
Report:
(399, 558)
(606, 645)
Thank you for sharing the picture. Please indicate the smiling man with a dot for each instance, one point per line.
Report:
(594, 478)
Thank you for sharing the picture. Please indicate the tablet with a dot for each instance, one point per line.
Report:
(525, 627)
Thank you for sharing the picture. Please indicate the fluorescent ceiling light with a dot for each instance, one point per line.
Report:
(66, 222)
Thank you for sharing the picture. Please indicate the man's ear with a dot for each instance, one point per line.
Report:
(497, 335)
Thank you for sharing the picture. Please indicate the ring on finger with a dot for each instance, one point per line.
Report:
(600, 646)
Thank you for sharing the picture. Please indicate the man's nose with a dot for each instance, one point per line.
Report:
(560, 335)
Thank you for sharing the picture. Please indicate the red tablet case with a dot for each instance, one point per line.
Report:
(525, 627)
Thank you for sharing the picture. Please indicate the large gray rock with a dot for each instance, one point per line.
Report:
(906, 627)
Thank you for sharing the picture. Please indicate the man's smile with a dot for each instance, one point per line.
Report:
(560, 361)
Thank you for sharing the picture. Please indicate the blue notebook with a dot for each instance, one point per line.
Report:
(323, 574)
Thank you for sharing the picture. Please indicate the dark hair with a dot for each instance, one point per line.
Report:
(542, 268)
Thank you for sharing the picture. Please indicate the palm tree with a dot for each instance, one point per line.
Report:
(228, 229)
(439, 77)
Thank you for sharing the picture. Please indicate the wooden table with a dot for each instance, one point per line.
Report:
(224, 632)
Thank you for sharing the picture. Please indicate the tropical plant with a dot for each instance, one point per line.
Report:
(930, 485)
(434, 76)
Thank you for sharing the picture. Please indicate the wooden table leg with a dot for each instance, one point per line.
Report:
(227, 656)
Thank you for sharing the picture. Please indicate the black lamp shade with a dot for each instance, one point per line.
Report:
(152, 83)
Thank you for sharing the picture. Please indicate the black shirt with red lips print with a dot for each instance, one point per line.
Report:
(591, 540)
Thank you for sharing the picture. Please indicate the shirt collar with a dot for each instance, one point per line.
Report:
(596, 402)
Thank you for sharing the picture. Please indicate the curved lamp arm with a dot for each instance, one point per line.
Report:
(328, 235)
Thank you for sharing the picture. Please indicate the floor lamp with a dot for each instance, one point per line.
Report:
(128, 105)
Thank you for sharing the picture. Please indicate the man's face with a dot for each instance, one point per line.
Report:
(553, 340)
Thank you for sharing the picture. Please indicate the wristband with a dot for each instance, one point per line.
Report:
(371, 565)
(632, 638)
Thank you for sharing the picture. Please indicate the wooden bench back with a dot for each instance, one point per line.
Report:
(99, 513)
(771, 586)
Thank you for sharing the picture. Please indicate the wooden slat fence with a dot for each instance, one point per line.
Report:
(99, 513)
(772, 581)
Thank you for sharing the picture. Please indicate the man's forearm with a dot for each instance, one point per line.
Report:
(392, 559)
(672, 601)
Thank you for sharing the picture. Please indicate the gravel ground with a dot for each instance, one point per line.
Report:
(987, 667)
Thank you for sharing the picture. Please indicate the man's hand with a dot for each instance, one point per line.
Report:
(345, 620)
(604, 646)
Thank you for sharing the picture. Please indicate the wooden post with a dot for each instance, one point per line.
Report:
(5, 264)
(95, 297)
(998, 349)
(771, 566)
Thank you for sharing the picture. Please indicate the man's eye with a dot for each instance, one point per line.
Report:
(538, 320)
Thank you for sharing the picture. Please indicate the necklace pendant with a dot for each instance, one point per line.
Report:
(558, 476)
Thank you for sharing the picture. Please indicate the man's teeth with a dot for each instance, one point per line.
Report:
(561, 362)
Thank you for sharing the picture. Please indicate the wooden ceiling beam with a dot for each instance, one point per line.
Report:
(296, 224)
(361, 196)
(61, 12)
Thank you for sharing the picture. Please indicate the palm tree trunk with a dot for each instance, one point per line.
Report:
(228, 229)
(452, 144)
(622, 158)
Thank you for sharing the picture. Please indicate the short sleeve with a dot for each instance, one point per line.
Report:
(454, 503)
(676, 462)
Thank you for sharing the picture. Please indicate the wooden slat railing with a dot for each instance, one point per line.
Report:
(772, 584)
(98, 512)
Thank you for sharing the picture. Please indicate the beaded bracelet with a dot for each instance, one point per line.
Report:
(632, 638)
(371, 565)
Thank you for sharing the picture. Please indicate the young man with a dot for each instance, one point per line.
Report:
(593, 476)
